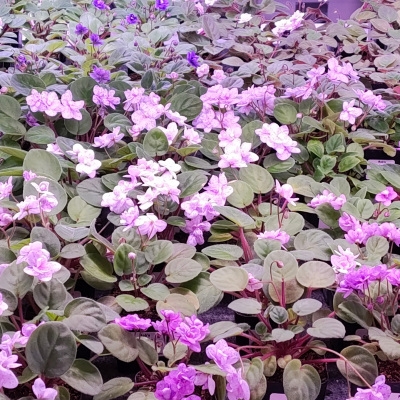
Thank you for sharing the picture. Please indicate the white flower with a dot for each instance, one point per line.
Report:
(244, 18)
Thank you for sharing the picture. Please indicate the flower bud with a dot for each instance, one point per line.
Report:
(279, 264)
(131, 255)
(387, 214)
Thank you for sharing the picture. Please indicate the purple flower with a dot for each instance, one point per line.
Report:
(193, 59)
(237, 388)
(132, 19)
(31, 120)
(386, 196)
(170, 322)
(378, 391)
(105, 98)
(100, 75)
(223, 355)
(81, 30)
(350, 113)
(6, 189)
(29, 175)
(95, 39)
(347, 222)
(41, 392)
(177, 384)
(279, 235)
(192, 332)
(133, 322)
(162, 5)
(8, 361)
(100, 5)
(3, 305)
(195, 228)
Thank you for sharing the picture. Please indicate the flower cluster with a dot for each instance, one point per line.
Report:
(327, 197)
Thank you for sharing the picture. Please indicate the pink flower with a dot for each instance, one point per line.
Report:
(253, 283)
(27, 207)
(282, 236)
(350, 113)
(203, 70)
(277, 137)
(170, 322)
(191, 332)
(133, 98)
(327, 197)
(286, 192)
(149, 225)
(54, 149)
(108, 139)
(378, 391)
(6, 189)
(41, 392)
(237, 155)
(191, 136)
(344, 261)
(105, 98)
(71, 109)
(133, 322)
(5, 217)
(3, 305)
(386, 196)
(338, 73)
(223, 355)
(118, 200)
(174, 116)
(8, 361)
(237, 388)
(29, 175)
(27, 330)
(218, 75)
(370, 99)
(86, 161)
(171, 131)
(357, 235)
(195, 228)
(348, 222)
(228, 135)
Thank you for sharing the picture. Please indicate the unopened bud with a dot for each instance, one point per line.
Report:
(131, 256)
(380, 299)
(299, 115)
(280, 264)
(387, 214)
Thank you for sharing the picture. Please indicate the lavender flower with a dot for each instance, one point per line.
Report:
(223, 355)
(96, 40)
(3, 305)
(192, 332)
(132, 19)
(41, 392)
(133, 322)
(100, 5)
(8, 361)
(100, 75)
(162, 5)
(81, 30)
(386, 196)
(378, 391)
(193, 59)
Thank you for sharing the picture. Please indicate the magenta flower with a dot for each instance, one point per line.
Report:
(41, 392)
(286, 192)
(71, 109)
(81, 30)
(206, 381)
(282, 236)
(3, 305)
(6, 189)
(149, 225)
(108, 139)
(191, 332)
(357, 235)
(386, 196)
(350, 113)
(277, 137)
(7, 362)
(133, 322)
(169, 324)
(223, 355)
(236, 387)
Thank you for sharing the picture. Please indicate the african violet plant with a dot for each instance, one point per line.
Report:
(151, 155)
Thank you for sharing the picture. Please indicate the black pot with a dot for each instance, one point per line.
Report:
(379, 155)
(245, 319)
(129, 369)
(84, 289)
(277, 388)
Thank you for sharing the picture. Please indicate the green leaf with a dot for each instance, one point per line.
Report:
(131, 304)
(263, 247)
(40, 135)
(335, 144)
(301, 382)
(327, 328)
(10, 299)
(119, 342)
(392, 178)
(14, 151)
(377, 247)
(156, 291)
(315, 241)
(51, 349)
(348, 163)
(182, 270)
(24, 83)
(82, 89)
(81, 127)
(84, 377)
(155, 143)
(285, 113)
(278, 314)
(280, 265)
(10, 107)
(292, 223)
(122, 262)
(306, 307)
(223, 329)
(229, 279)
(211, 27)
(258, 178)
(238, 217)
(71, 234)
(115, 120)
(242, 195)
(52, 294)
(81, 212)
(14, 279)
(281, 335)
(191, 182)
(274, 165)
(47, 238)
(10, 126)
(84, 315)
(147, 352)
(42, 163)
(316, 275)
(187, 105)
(91, 343)
(147, 79)
(226, 252)
(327, 163)
(98, 266)
(159, 251)
(390, 347)
(387, 13)
(91, 191)
(174, 351)
(361, 360)
(115, 388)
(316, 147)
(246, 306)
